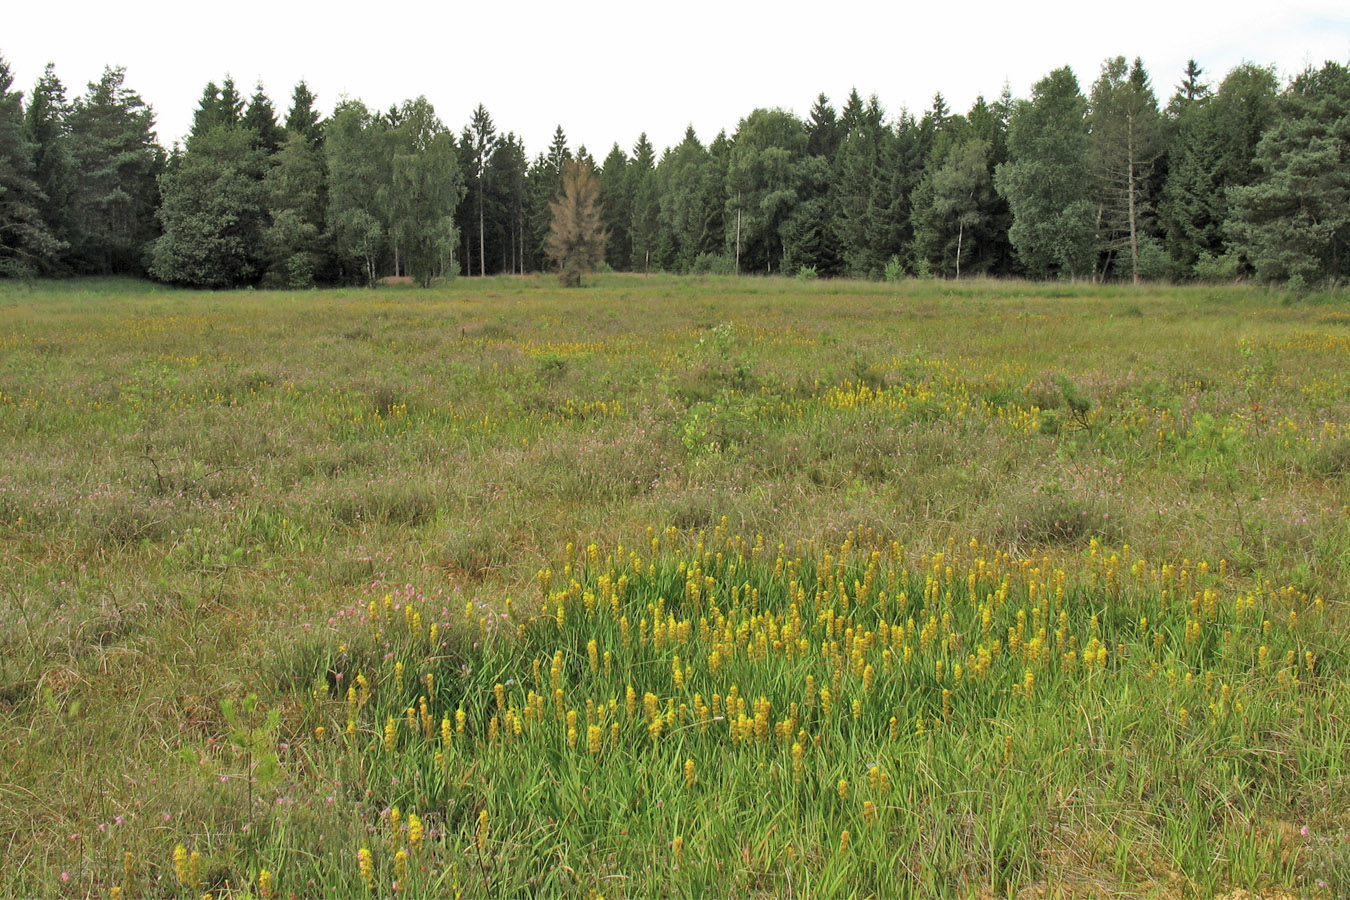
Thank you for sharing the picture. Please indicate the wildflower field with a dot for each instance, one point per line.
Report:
(674, 587)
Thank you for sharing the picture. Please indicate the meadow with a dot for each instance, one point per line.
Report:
(674, 586)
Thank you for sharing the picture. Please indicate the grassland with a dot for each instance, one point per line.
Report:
(698, 587)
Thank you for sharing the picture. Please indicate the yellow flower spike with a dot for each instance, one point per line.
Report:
(480, 835)
(461, 718)
(319, 732)
(195, 870)
(128, 872)
(265, 889)
(401, 870)
(688, 773)
(180, 865)
(869, 812)
(115, 892)
(845, 839)
(595, 736)
(416, 831)
(677, 848)
(843, 789)
(390, 734)
(1181, 715)
(895, 728)
(365, 864)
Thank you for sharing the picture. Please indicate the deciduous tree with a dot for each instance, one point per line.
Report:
(1046, 180)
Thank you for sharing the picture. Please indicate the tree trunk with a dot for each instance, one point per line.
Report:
(1134, 228)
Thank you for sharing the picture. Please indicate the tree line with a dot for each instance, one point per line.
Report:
(1239, 178)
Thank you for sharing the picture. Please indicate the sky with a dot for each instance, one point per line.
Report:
(608, 71)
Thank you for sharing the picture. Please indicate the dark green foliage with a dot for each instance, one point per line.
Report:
(644, 224)
(953, 207)
(295, 187)
(46, 120)
(218, 106)
(478, 143)
(1294, 221)
(27, 245)
(303, 118)
(261, 119)
(117, 167)
(617, 206)
(212, 212)
(1213, 150)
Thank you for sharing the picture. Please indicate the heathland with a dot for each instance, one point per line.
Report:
(674, 586)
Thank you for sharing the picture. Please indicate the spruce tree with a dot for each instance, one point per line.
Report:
(1214, 151)
(616, 204)
(117, 164)
(261, 118)
(46, 120)
(644, 222)
(27, 245)
(303, 118)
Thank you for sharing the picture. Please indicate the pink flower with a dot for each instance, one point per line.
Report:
(65, 876)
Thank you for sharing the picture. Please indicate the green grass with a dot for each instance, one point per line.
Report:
(203, 493)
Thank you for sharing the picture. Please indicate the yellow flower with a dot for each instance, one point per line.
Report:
(365, 863)
(265, 889)
(415, 831)
(480, 837)
(688, 773)
(180, 865)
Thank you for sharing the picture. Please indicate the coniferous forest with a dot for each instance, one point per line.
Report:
(1227, 177)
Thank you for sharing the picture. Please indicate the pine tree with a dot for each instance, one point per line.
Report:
(1294, 221)
(576, 241)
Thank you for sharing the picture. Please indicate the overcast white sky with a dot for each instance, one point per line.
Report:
(607, 70)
